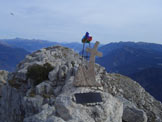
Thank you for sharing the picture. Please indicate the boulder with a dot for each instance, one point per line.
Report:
(110, 110)
(131, 113)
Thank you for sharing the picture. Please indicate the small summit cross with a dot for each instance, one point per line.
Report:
(86, 77)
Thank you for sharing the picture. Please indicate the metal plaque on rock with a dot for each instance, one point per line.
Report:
(90, 97)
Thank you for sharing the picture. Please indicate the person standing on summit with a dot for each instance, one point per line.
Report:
(86, 39)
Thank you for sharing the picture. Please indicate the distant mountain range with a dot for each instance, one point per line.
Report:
(10, 56)
(36, 44)
(140, 61)
(142, 45)
(128, 59)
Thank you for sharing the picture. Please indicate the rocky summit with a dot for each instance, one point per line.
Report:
(41, 90)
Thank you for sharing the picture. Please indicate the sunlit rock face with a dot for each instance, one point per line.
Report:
(3, 76)
(42, 90)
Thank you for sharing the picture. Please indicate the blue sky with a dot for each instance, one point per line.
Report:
(68, 20)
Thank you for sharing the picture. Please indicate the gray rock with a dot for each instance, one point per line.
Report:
(32, 105)
(57, 90)
(53, 74)
(61, 75)
(3, 76)
(11, 105)
(131, 113)
(43, 115)
(44, 88)
(69, 110)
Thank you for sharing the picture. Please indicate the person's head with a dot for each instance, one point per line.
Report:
(87, 34)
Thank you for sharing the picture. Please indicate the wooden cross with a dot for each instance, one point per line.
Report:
(86, 77)
(93, 53)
